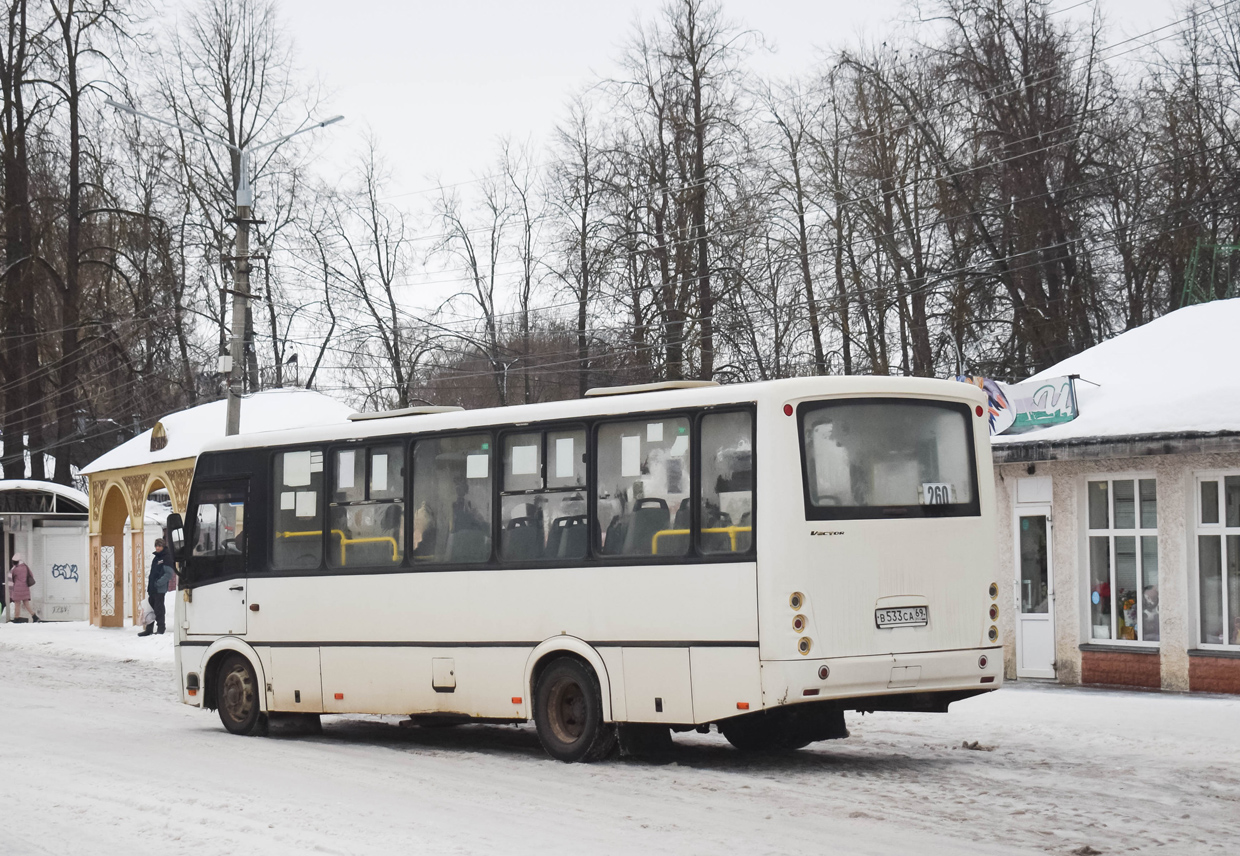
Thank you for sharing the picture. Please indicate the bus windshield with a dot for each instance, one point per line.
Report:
(887, 457)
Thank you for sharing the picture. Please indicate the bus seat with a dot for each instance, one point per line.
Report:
(469, 545)
(522, 540)
(613, 544)
(650, 515)
(569, 535)
(684, 514)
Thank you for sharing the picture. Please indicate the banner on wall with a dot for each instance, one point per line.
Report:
(1019, 407)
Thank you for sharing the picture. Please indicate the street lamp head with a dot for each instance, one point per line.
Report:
(124, 108)
(333, 120)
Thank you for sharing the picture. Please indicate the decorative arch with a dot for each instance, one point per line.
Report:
(107, 554)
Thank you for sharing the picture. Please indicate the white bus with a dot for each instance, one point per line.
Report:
(756, 557)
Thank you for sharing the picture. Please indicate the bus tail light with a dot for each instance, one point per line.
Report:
(796, 600)
(994, 612)
(798, 623)
(989, 679)
(805, 644)
(993, 633)
(982, 661)
(811, 692)
(824, 672)
(994, 591)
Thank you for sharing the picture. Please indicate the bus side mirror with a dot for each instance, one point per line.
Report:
(176, 535)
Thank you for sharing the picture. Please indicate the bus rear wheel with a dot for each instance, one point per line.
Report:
(568, 713)
(238, 697)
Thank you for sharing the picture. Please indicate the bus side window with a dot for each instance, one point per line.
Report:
(643, 487)
(543, 501)
(297, 498)
(452, 500)
(367, 513)
(726, 510)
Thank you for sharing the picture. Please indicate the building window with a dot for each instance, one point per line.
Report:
(1123, 560)
(1218, 559)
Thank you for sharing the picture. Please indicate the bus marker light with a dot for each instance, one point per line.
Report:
(824, 672)
(978, 410)
(809, 692)
(339, 696)
(982, 661)
(989, 679)
(787, 409)
(742, 705)
(516, 699)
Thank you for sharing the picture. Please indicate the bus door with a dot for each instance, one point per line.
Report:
(215, 572)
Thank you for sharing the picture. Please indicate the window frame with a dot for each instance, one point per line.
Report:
(273, 492)
(497, 433)
(1111, 533)
(887, 512)
(693, 555)
(1222, 531)
(501, 434)
(218, 574)
(331, 474)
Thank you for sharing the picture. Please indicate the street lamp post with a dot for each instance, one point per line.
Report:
(241, 290)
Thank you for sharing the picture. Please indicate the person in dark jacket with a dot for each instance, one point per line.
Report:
(157, 586)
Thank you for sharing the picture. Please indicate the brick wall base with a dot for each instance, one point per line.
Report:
(1121, 669)
(1213, 674)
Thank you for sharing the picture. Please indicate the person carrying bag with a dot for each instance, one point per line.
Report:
(156, 588)
(20, 581)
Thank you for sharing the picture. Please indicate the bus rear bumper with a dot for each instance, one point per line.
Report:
(871, 678)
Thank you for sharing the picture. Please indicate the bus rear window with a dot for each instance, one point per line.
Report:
(887, 458)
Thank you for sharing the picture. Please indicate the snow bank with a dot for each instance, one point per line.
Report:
(1176, 373)
(188, 431)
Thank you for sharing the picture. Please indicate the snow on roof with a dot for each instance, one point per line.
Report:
(49, 487)
(188, 431)
(1172, 375)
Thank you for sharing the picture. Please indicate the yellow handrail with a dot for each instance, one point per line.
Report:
(730, 530)
(344, 542)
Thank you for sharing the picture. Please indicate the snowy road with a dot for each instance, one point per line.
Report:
(1068, 771)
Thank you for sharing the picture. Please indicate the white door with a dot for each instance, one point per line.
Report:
(1035, 594)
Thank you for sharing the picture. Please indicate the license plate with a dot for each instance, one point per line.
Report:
(904, 616)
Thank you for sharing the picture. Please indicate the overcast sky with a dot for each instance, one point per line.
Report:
(439, 82)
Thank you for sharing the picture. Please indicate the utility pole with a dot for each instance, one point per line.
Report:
(241, 278)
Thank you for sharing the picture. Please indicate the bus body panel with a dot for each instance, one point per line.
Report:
(679, 643)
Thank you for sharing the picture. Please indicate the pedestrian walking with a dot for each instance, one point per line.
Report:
(157, 586)
(20, 581)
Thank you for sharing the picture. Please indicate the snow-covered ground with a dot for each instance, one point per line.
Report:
(98, 757)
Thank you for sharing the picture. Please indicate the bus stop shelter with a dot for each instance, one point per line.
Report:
(163, 457)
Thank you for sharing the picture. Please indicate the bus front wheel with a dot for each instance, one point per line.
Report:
(238, 698)
(568, 713)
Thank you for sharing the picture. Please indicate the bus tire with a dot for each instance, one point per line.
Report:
(765, 732)
(568, 713)
(238, 697)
